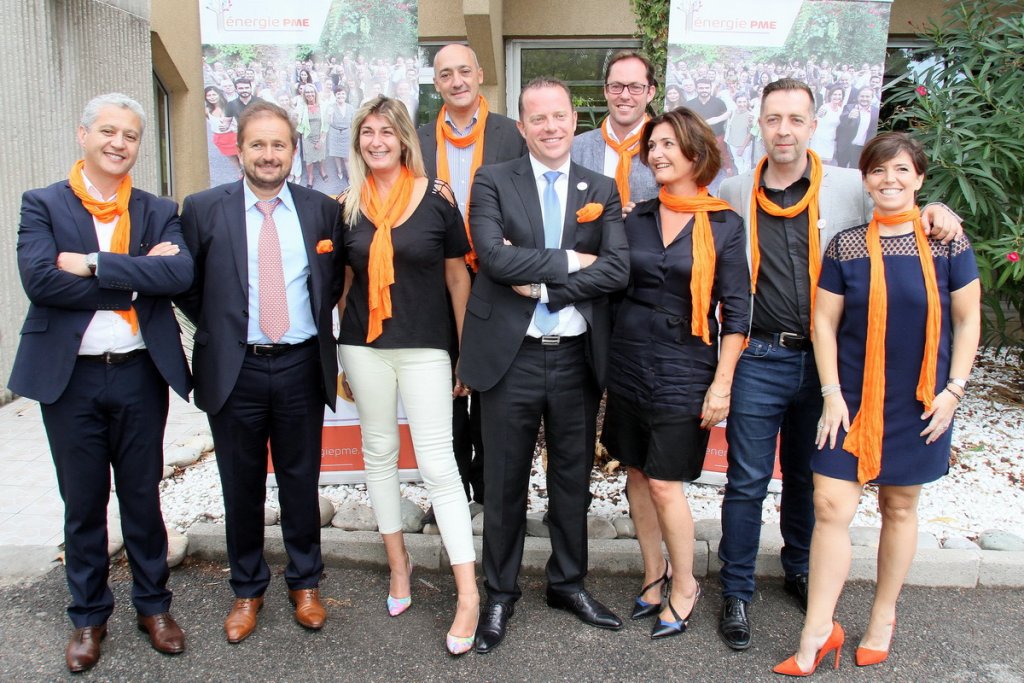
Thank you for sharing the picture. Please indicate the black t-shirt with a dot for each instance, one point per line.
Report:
(419, 305)
(709, 110)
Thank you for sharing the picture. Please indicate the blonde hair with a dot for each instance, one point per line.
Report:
(397, 115)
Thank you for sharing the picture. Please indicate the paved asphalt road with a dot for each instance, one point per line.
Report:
(943, 635)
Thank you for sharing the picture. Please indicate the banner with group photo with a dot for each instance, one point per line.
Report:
(319, 60)
(721, 55)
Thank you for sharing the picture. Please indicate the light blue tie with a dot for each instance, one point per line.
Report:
(545, 319)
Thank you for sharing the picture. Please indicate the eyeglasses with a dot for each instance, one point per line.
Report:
(634, 88)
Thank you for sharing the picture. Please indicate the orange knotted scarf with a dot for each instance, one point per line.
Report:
(702, 277)
(105, 212)
(808, 203)
(626, 149)
(864, 440)
(475, 137)
(381, 270)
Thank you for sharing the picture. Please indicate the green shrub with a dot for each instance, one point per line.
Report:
(967, 108)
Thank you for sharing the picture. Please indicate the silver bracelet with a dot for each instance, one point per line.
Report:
(719, 395)
(829, 389)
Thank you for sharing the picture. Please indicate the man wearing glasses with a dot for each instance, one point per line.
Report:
(611, 149)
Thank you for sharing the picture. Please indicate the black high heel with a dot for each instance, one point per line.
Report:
(665, 629)
(643, 609)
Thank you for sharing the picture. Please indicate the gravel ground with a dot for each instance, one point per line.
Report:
(982, 491)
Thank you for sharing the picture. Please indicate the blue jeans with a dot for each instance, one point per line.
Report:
(775, 391)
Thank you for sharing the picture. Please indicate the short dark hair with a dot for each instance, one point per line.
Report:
(696, 141)
(543, 82)
(788, 84)
(260, 108)
(239, 81)
(886, 146)
(704, 81)
(631, 54)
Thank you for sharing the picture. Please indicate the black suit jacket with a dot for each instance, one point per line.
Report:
(213, 222)
(497, 317)
(502, 142)
(62, 305)
(847, 129)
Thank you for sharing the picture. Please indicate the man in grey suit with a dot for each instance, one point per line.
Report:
(535, 344)
(465, 135)
(775, 390)
(611, 148)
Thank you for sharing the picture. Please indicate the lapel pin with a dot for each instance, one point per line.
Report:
(581, 186)
(821, 224)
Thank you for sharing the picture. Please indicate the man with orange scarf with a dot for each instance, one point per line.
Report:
(792, 205)
(611, 148)
(100, 260)
(465, 136)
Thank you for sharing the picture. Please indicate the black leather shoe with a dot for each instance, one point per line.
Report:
(797, 587)
(490, 630)
(586, 607)
(642, 609)
(734, 626)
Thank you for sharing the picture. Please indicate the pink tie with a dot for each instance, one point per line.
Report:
(273, 300)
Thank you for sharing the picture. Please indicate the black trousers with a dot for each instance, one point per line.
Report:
(553, 383)
(468, 444)
(277, 399)
(111, 416)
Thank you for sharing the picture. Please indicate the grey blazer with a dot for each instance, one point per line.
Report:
(588, 151)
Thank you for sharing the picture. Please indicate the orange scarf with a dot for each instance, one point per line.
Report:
(808, 203)
(381, 270)
(627, 149)
(475, 137)
(105, 212)
(702, 277)
(864, 439)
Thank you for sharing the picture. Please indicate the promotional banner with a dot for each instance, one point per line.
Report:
(319, 60)
(721, 55)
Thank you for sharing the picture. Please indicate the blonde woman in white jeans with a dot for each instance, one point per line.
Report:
(404, 244)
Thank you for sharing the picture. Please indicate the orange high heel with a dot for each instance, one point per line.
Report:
(868, 657)
(834, 642)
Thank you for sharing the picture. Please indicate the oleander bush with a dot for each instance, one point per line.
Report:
(966, 105)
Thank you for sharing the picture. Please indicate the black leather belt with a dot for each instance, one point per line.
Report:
(111, 358)
(277, 349)
(551, 340)
(787, 340)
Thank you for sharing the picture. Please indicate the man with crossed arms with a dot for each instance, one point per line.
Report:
(800, 206)
(463, 137)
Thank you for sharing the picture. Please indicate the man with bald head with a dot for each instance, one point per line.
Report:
(464, 136)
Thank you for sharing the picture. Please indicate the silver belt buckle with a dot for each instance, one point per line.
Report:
(784, 338)
(550, 340)
(262, 349)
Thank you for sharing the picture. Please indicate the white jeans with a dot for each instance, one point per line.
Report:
(424, 378)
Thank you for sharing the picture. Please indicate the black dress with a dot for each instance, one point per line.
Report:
(659, 372)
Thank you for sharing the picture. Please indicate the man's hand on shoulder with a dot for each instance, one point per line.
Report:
(940, 223)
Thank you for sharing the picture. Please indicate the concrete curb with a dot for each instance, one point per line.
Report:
(932, 567)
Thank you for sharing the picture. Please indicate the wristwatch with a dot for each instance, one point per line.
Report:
(962, 383)
(90, 262)
(535, 291)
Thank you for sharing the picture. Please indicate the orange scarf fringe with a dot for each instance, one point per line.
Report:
(106, 212)
(864, 440)
(702, 277)
(626, 149)
(808, 203)
(476, 137)
(384, 214)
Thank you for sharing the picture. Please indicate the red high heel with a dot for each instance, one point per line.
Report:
(867, 657)
(834, 642)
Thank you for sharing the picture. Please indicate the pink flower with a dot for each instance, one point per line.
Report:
(921, 90)
(1013, 257)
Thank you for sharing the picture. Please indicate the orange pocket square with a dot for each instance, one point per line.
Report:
(324, 247)
(590, 212)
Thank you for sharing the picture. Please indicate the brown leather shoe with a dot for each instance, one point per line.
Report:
(83, 649)
(164, 633)
(242, 619)
(309, 611)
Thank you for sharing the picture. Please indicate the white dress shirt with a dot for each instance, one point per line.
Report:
(611, 157)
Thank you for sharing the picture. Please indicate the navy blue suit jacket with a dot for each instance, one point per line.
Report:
(213, 222)
(62, 305)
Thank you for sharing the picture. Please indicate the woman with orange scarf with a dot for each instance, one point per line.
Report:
(405, 244)
(896, 325)
(668, 385)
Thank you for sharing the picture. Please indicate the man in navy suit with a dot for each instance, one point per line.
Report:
(268, 274)
(99, 261)
(535, 344)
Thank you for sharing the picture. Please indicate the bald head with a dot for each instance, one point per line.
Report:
(457, 77)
